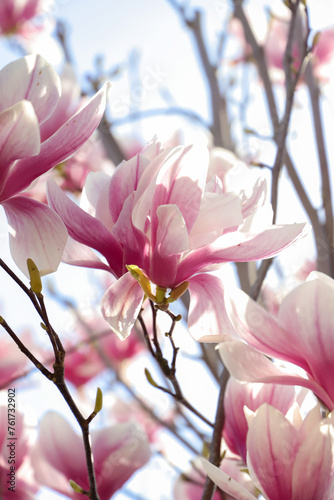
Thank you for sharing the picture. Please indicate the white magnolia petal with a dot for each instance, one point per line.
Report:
(31, 78)
(121, 305)
(208, 319)
(226, 482)
(217, 212)
(172, 234)
(19, 135)
(36, 232)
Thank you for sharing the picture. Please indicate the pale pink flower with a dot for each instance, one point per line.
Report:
(286, 460)
(84, 362)
(237, 396)
(118, 451)
(161, 215)
(301, 334)
(29, 93)
(16, 449)
(275, 46)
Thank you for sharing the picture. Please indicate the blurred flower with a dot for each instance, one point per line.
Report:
(16, 449)
(285, 459)
(161, 218)
(275, 46)
(13, 361)
(84, 362)
(29, 93)
(16, 16)
(302, 334)
(118, 452)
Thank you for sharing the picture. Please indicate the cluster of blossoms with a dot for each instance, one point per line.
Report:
(159, 223)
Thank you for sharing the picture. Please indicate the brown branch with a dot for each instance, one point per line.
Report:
(215, 447)
(314, 93)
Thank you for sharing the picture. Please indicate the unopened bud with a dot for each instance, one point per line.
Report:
(35, 277)
(98, 401)
(76, 487)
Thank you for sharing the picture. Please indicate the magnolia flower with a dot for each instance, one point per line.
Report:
(29, 93)
(160, 221)
(237, 396)
(118, 452)
(16, 15)
(275, 46)
(302, 334)
(286, 460)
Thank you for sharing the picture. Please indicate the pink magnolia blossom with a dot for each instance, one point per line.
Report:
(253, 396)
(16, 15)
(286, 460)
(25, 487)
(118, 452)
(301, 334)
(161, 215)
(29, 93)
(84, 362)
(275, 46)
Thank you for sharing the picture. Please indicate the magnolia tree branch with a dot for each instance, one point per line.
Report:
(314, 93)
(167, 371)
(215, 447)
(280, 128)
(58, 374)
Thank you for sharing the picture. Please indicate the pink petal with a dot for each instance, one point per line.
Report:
(241, 247)
(84, 228)
(312, 469)
(256, 200)
(172, 235)
(181, 181)
(56, 437)
(124, 181)
(118, 452)
(77, 254)
(19, 136)
(272, 444)
(36, 232)
(306, 313)
(261, 330)
(217, 212)
(208, 320)
(247, 364)
(126, 234)
(121, 305)
(60, 146)
(225, 482)
(240, 394)
(66, 105)
(31, 78)
(95, 197)
(266, 244)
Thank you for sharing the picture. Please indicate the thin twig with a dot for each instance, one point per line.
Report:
(215, 448)
(314, 93)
